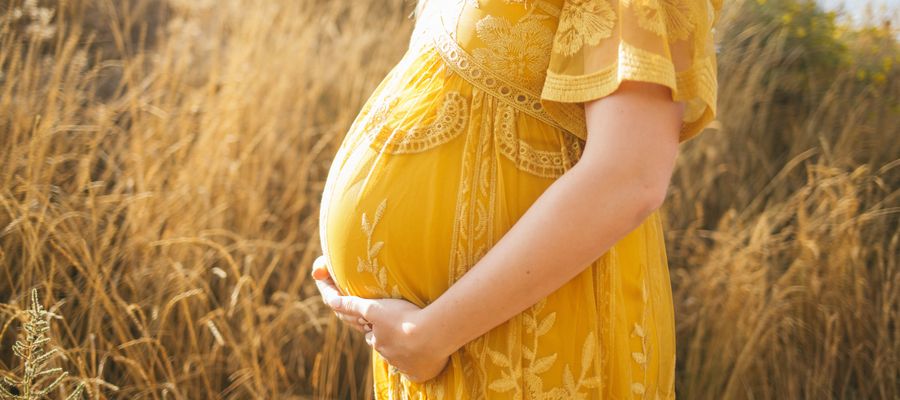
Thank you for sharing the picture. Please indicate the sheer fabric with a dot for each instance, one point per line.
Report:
(598, 44)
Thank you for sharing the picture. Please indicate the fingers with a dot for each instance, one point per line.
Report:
(332, 296)
(353, 305)
(328, 290)
(357, 324)
(321, 273)
(319, 268)
(350, 309)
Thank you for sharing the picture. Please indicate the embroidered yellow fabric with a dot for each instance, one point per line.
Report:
(480, 116)
(598, 44)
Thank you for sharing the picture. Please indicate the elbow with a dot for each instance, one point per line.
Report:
(651, 196)
(653, 186)
(641, 190)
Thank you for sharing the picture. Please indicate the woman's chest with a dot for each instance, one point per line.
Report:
(512, 38)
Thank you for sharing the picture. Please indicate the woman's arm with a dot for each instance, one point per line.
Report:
(622, 176)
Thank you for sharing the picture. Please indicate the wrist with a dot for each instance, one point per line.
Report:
(441, 337)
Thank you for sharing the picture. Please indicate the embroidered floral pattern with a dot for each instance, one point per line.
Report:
(473, 226)
(473, 234)
(520, 51)
(449, 122)
(649, 15)
(377, 114)
(543, 163)
(530, 370)
(672, 18)
(485, 79)
(370, 263)
(679, 18)
(583, 22)
(595, 38)
(641, 357)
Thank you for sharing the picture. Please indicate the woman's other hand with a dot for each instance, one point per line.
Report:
(401, 333)
(328, 290)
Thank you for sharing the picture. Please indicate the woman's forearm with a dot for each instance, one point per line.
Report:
(621, 178)
(577, 219)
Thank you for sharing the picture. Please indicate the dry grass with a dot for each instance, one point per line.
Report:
(162, 163)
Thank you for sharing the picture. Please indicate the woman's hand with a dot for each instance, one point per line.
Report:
(328, 290)
(400, 333)
(396, 328)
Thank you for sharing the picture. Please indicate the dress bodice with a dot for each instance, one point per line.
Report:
(512, 38)
(546, 57)
(503, 47)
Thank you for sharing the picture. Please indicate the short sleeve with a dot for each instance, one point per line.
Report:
(600, 43)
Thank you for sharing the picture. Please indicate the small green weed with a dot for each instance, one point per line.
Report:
(31, 351)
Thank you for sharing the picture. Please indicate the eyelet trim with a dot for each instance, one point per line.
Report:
(469, 68)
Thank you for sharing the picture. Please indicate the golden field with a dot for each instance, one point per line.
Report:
(161, 163)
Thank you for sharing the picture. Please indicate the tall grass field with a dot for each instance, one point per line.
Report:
(162, 162)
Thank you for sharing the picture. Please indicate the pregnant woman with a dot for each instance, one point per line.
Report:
(491, 219)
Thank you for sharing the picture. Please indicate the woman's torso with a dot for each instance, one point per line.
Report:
(447, 153)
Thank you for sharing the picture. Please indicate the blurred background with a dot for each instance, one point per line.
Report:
(162, 161)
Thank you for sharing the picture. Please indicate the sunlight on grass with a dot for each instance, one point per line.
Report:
(163, 161)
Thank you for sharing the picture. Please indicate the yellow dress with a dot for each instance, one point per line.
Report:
(479, 117)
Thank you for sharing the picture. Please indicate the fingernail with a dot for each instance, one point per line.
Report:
(334, 302)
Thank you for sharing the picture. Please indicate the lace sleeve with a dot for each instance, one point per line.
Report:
(600, 43)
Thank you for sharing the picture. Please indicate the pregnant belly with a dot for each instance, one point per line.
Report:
(429, 176)
(387, 220)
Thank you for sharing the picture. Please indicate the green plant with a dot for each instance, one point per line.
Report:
(31, 351)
